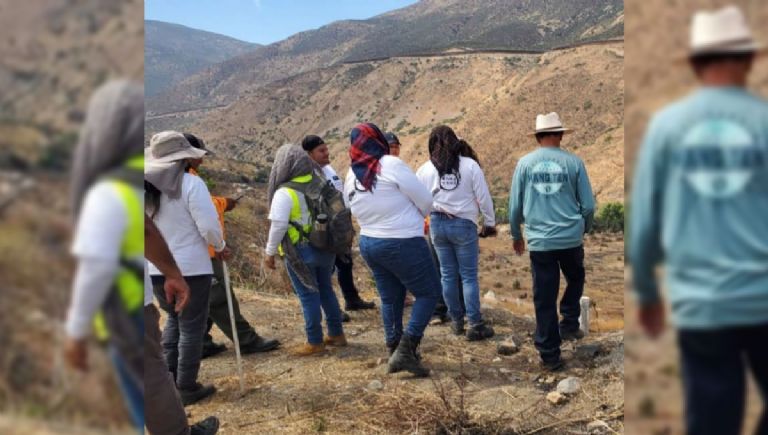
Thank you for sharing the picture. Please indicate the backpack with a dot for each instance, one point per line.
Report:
(331, 221)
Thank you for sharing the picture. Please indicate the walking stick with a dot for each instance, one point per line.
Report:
(236, 339)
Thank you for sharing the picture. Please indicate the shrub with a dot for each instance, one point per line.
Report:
(500, 208)
(610, 218)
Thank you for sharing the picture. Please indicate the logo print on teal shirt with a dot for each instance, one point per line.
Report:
(719, 158)
(548, 177)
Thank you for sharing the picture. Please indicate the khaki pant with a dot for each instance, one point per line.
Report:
(163, 410)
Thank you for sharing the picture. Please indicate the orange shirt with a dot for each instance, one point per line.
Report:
(220, 203)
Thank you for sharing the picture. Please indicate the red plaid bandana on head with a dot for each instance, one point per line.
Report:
(368, 147)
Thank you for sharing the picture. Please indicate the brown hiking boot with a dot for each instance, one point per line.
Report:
(308, 349)
(339, 340)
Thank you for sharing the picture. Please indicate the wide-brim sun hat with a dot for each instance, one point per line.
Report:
(171, 146)
(549, 123)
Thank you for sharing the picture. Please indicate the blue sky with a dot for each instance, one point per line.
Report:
(264, 21)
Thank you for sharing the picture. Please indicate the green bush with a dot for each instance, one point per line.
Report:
(610, 218)
(501, 209)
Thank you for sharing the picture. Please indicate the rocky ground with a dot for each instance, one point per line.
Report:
(473, 387)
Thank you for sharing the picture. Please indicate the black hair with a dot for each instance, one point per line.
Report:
(701, 61)
(466, 150)
(444, 150)
(311, 142)
(540, 136)
(151, 199)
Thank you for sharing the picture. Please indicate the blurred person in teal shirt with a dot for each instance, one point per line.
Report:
(551, 195)
(700, 207)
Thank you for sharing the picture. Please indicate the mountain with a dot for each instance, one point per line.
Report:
(174, 52)
(490, 99)
(429, 26)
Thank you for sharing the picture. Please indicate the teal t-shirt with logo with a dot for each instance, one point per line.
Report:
(700, 206)
(551, 195)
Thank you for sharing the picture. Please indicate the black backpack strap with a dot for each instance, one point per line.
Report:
(131, 176)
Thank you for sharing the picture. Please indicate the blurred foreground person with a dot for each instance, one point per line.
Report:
(107, 201)
(165, 412)
(700, 205)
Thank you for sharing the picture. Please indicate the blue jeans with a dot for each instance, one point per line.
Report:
(455, 242)
(314, 303)
(398, 264)
(129, 384)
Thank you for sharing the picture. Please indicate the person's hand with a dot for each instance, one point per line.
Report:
(224, 254)
(519, 246)
(231, 204)
(76, 354)
(269, 261)
(176, 289)
(652, 318)
(488, 232)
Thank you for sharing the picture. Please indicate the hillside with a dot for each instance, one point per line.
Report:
(174, 52)
(489, 99)
(427, 26)
(53, 54)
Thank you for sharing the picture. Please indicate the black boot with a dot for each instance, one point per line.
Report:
(481, 331)
(406, 358)
(354, 304)
(209, 426)
(212, 349)
(196, 394)
(457, 327)
(260, 344)
(392, 346)
(576, 334)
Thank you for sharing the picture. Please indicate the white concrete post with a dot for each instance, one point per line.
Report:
(584, 317)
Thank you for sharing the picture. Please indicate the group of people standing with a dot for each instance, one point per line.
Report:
(395, 207)
(444, 200)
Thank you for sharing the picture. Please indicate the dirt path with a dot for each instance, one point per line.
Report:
(338, 393)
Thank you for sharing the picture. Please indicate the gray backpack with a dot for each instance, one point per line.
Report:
(331, 220)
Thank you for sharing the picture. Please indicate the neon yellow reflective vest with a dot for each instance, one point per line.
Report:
(293, 233)
(129, 284)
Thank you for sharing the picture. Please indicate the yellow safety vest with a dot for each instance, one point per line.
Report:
(293, 233)
(130, 286)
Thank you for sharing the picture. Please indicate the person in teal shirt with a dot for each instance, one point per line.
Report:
(700, 207)
(551, 195)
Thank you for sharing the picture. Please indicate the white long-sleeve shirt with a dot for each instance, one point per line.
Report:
(397, 206)
(280, 215)
(189, 224)
(330, 175)
(465, 196)
(99, 236)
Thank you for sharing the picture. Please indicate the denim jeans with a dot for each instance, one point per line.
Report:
(457, 248)
(441, 309)
(545, 268)
(183, 332)
(714, 369)
(398, 264)
(129, 384)
(315, 303)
